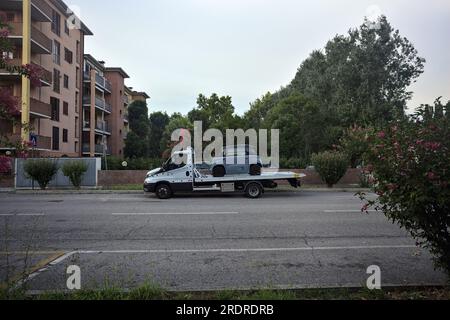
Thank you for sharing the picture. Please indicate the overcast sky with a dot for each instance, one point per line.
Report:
(176, 49)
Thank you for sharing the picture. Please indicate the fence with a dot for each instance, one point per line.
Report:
(90, 178)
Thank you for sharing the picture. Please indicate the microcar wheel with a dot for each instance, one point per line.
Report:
(219, 172)
(255, 170)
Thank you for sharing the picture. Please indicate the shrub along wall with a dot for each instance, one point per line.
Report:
(127, 177)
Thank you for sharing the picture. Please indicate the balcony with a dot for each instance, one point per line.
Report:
(40, 10)
(43, 143)
(46, 76)
(103, 105)
(40, 109)
(98, 149)
(40, 43)
(103, 127)
(103, 83)
(100, 104)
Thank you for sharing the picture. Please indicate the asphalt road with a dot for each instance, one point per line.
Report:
(287, 239)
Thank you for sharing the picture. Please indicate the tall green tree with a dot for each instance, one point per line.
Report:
(136, 143)
(177, 121)
(363, 76)
(215, 112)
(158, 122)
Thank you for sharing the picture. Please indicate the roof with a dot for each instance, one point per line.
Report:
(65, 8)
(119, 70)
(94, 61)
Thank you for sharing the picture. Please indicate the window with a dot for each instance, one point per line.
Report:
(10, 17)
(54, 102)
(68, 55)
(66, 27)
(77, 99)
(77, 121)
(65, 136)
(77, 78)
(56, 80)
(65, 108)
(66, 81)
(56, 52)
(77, 53)
(55, 139)
(56, 23)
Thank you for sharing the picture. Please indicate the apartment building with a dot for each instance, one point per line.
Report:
(104, 109)
(129, 97)
(57, 48)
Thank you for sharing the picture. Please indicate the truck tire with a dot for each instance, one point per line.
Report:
(163, 191)
(218, 172)
(254, 190)
(255, 170)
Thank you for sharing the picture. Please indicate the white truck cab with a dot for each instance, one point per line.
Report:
(174, 177)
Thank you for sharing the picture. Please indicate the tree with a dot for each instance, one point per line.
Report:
(215, 112)
(158, 123)
(9, 106)
(409, 162)
(136, 143)
(304, 128)
(360, 78)
(177, 121)
(75, 171)
(363, 76)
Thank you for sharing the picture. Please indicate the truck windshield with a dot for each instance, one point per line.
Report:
(173, 163)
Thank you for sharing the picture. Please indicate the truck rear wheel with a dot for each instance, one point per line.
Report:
(163, 191)
(253, 190)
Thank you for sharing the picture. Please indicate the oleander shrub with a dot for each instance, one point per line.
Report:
(41, 170)
(410, 164)
(331, 166)
(75, 170)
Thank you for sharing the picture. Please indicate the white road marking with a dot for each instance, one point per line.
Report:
(174, 213)
(22, 214)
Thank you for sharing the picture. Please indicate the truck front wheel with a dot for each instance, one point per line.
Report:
(163, 191)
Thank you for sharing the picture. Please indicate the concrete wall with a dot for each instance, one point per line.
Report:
(111, 178)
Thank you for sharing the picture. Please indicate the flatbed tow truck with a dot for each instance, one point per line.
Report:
(186, 178)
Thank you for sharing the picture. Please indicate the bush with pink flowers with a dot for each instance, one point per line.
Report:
(410, 165)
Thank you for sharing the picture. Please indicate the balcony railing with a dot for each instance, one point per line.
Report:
(98, 149)
(40, 109)
(40, 42)
(42, 143)
(103, 82)
(40, 10)
(103, 127)
(45, 75)
(103, 105)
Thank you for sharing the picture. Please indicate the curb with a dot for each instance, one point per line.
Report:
(80, 192)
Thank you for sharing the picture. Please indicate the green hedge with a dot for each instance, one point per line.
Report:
(115, 163)
(293, 163)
